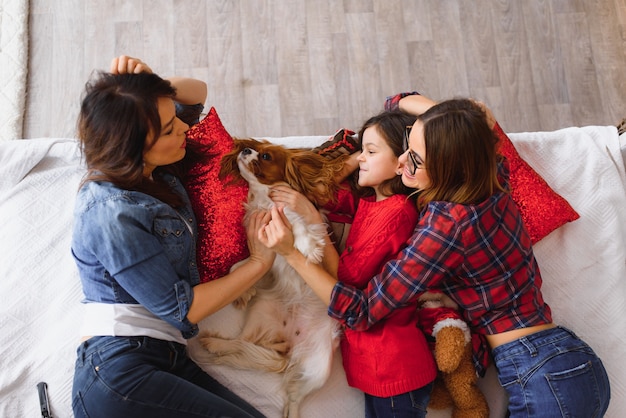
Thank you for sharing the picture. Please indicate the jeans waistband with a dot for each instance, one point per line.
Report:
(537, 339)
(93, 344)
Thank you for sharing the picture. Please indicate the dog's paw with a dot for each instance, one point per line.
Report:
(213, 343)
(281, 346)
(209, 340)
(242, 301)
(311, 243)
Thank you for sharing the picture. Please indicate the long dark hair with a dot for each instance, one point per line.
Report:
(391, 126)
(461, 153)
(117, 114)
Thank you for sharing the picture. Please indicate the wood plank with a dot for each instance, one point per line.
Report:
(38, 113)
(608, 46)
(190, 34)
(99, 43)
(449, 58)
(580, 73)
(225, 78)
(417, 22)
(393, 56)
(346, 101)
(158, 39)
(424, 74)
(322, 60)
(545, 53)
(293, 67)
(363, 66)
(67, 65)
(128, 39)
(478, 44)
(517, 108)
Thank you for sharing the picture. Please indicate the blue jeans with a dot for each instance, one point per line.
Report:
(552, 373)
(147, 377)
(410, 404)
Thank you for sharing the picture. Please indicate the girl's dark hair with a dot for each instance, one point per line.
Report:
(391, 126)
(117, 114)
(461, 153)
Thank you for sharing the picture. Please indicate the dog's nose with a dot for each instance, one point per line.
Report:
(246, 151)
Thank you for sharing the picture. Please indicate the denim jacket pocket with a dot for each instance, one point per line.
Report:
(173, 235)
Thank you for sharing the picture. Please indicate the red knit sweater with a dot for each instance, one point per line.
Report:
(393, 356)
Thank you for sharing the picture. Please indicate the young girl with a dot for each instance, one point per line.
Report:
(470, 243)
(391, 362)
(134, 245)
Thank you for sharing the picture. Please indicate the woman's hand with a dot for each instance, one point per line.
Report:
(285, 196)
(255, 230)
(189, 91)
(128, 65)
(277, 234)
(211, 296)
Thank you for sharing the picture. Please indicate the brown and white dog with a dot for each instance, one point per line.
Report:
(286, 329)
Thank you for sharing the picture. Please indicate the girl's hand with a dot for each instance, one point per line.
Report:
(277, 234)
(129, 65)
(255, 230)
(285, 196)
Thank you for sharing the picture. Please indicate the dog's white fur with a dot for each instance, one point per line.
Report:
(286, 329)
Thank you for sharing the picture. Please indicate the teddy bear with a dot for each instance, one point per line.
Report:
(455, 384)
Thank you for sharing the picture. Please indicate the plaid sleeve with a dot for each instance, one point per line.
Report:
(432, 254)
(393, 102)
(343, 142)
(480, 353)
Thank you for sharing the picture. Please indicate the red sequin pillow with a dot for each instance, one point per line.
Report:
(542, 209)
(221, 240)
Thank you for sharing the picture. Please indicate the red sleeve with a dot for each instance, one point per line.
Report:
(344, 208)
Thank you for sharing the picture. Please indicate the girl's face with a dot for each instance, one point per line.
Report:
(377, 162)
(170, 146)
(414, 174)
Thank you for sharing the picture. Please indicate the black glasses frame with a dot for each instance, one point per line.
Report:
(414, 162)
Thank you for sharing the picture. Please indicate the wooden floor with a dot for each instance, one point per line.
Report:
(300, 67)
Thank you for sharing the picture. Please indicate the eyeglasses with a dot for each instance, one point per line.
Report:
(414, 164)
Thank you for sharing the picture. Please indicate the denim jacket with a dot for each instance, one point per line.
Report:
(131, 248)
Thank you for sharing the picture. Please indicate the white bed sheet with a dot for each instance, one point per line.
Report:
(583, 264)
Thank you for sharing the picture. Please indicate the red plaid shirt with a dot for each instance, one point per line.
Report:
(479, 255)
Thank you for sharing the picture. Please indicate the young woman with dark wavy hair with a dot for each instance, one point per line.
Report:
(135, 248)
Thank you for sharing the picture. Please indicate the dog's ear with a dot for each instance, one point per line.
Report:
(304, 171)
(317, 177)
(228, 164)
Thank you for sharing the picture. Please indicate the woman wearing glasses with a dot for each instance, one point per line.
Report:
(471, 244)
